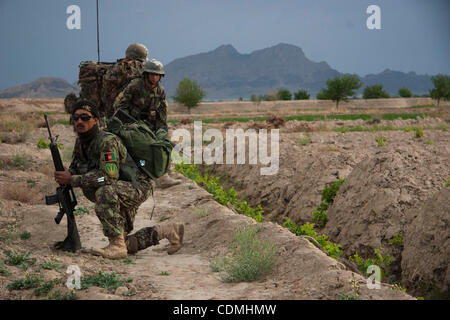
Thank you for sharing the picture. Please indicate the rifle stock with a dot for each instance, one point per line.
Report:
(65, 198)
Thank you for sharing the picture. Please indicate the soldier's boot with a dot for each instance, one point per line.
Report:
(116, 249)
(132, 244)
(165, 182)
(173, 232)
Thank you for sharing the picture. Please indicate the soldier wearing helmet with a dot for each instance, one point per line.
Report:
(121, 73)
(145, 98)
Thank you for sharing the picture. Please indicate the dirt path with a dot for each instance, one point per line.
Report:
(301, 270)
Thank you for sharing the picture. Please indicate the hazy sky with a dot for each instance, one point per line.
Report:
(414, 34)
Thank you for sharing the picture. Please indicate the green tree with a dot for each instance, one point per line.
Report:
(189, 93)
(404, 92)
(256, 98)
(441, 88)
(340, 88)
(284, 94)
(301, 95)
(375, 92)
(322, 95)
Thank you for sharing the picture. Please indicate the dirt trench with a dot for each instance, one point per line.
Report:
(385, 192)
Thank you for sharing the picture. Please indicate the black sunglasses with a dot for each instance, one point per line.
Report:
(84, 117)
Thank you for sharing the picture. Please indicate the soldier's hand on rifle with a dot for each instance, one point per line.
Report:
(63, 177)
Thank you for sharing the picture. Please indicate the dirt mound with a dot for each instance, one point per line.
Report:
(378, 199)
(425, 259)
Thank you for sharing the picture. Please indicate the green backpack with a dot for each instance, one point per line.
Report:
(150, 151)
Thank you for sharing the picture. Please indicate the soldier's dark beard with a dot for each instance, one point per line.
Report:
(86, 137)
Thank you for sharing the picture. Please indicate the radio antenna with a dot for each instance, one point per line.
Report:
(98, 37)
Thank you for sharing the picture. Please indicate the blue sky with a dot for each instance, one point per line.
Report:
(414, 34)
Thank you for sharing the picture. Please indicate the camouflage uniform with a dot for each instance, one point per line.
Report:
(144, 103)
(115, 80)
(96, 168)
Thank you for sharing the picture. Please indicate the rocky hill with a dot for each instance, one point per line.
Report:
(227, 74)
(45, 87)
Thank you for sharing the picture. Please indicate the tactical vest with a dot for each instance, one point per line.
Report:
(149, 113)
(128, 171)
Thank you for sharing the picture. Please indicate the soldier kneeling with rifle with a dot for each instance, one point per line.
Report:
(107, 175)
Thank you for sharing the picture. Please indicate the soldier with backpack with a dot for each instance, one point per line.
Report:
(101, 82)
(108, 176)
(121, 73)
(144, 98)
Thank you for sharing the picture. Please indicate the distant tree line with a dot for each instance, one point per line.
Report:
(190, 93)
(342, 88)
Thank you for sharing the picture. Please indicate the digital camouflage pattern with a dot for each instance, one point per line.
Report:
(115, 80)
(95, 169)
(90, 78)
(145, 238)
(143, 103)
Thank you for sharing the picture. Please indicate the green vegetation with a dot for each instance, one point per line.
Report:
(340, 88)
(397, 240)
(59, 296)
(163, 273)
(45, 288)
(441, 90)
(256, 98)
(250, 259)
(380, 141)
(25, 235)
(330, 248)
(224, 197)
(318, 117)
(51, 265)
(129, 261)
(404, 92)
(22, 161)
(301, 95)
(284, 94)
(42, 144)
(448, 183)
(189, 93)
(108, 281)
(25, 283)
(379, 260)
(320, 216)
(22, 261)
(303, 141)
(79, 211)
(375, 92)
(418, 133)
(347, 296)
(4, 270)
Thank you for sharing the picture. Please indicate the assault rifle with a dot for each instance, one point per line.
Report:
(65, 198)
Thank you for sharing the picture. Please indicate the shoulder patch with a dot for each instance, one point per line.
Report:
(112, 170)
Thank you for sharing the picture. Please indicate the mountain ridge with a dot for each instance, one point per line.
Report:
(226, 74)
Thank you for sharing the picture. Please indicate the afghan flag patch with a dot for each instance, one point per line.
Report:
(110, 156)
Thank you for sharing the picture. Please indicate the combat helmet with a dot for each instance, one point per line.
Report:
(137, 51)
(153, 66)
